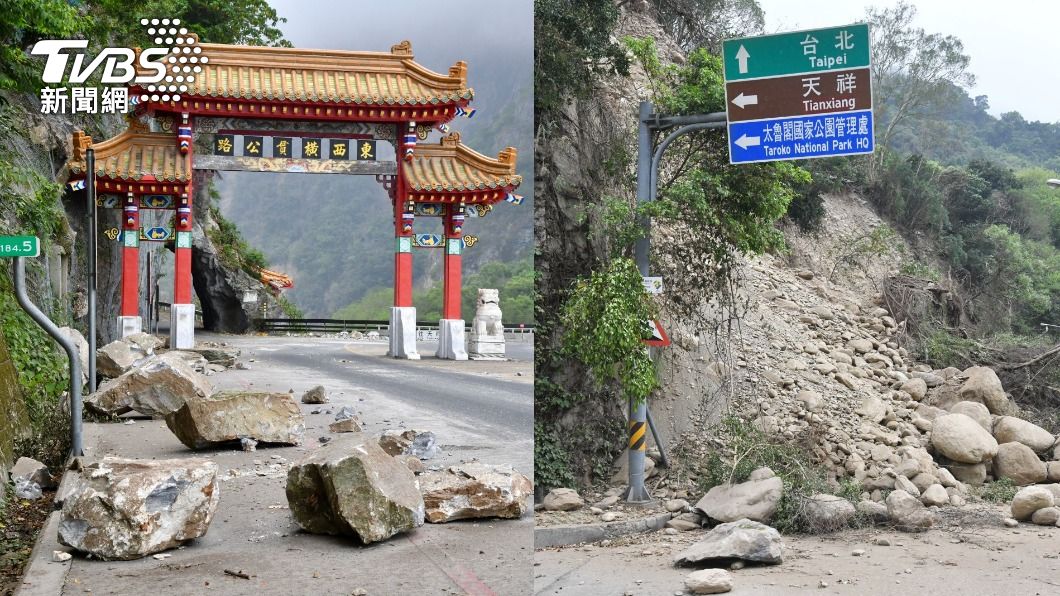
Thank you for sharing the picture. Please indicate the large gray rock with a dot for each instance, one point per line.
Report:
(985, 387)
(120, 509)
(961, 439)
(916, 388)
(908, 513)
(827, 513)
(82, 349)
(1008, 429)
(316, 395)
(216, 354)
(119, 356)
(976, 411)
(563, 499)
(475, 490)
(755, 500)
(1020, 464)
(742, 539)
(32, 470)
(1030, 499)
(420, 443)
(709, 581)
(229, 416)
(973, 474)
(155, 387)
(352, 487)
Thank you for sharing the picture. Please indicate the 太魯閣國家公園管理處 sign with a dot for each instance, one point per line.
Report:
(799, 95)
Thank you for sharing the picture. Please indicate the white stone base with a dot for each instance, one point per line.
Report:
(486, 347)
(129, 326)
(403, 333)
(451, 340)
(182, 326)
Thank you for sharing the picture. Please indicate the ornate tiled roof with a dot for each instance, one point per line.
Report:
(132, 156)
(328, 76)
(451, 166)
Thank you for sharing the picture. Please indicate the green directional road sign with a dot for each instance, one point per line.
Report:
(19, 246)
(797, 52)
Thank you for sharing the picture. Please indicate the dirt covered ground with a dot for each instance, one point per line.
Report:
(20, 522)
(968, 552)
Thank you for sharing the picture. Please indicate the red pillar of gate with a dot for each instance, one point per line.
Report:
(182, 249)
(130, 257)
(404, 217)
(452, 289)
(183, 222)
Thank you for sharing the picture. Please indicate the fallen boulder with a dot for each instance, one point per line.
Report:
(32, 471)
(976, 411)
(316, 395)
(908, 513)
(755, 500)
(827, 513)
(985, 387)
(346, 425)
(219, 355)
(1030, 499)
(120, 509)
(1020, 464)
(116, 358)
(229, 416)
(1009, 429)
(474, 490)
(709, 581)
(743, 539)
(155, 387)
(420, 443)
(352, 487)
(563, 499)
(961, 439)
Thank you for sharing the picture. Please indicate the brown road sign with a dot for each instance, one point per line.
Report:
(799, 95)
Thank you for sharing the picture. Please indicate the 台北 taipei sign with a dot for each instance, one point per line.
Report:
(799, 95)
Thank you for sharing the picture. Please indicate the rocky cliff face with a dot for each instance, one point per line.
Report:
(570, 180)
(12, 410)
(223, 289)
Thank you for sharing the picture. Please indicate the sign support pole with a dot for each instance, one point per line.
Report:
(76, 443)
(90, 196)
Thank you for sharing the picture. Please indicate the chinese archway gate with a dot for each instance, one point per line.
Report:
(315, 111)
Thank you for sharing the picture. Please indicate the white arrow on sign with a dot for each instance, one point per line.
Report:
(745, 141)
(741, 57)
(742, 100)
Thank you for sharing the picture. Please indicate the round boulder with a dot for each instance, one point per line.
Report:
(1030, 499)
(1010, 429)
(962, 439)
(827, 513)
(976, 411)
(709, 581)
(1019, 464)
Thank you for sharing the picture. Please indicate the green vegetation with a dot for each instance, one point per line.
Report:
(604, 319)
(999, 491)
(750, 449)
(514, 280)
(572, 49)
(43, 377)
(232, 249)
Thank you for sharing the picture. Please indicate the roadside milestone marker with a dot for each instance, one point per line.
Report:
(799, 95)
(19, 246)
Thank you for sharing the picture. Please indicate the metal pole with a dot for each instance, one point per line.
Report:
(644, 194)
(664, 462)
(76, 446)
(657, 157)
(93, 230)
(637, 492)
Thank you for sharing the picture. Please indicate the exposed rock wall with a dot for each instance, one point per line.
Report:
(12, 409)
(221, 289)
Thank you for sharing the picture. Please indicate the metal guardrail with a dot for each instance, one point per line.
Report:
(362, 325)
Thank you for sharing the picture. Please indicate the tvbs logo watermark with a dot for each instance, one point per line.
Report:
(164, 72)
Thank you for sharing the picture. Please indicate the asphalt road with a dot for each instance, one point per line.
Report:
(480, 410)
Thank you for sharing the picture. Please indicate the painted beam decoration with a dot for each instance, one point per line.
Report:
(436, 241)
(112, 201)
(147, 234)
(799, 95)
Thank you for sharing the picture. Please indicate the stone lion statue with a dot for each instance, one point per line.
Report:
(488, 314)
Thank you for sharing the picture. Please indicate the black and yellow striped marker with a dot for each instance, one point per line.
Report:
(637, 438)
